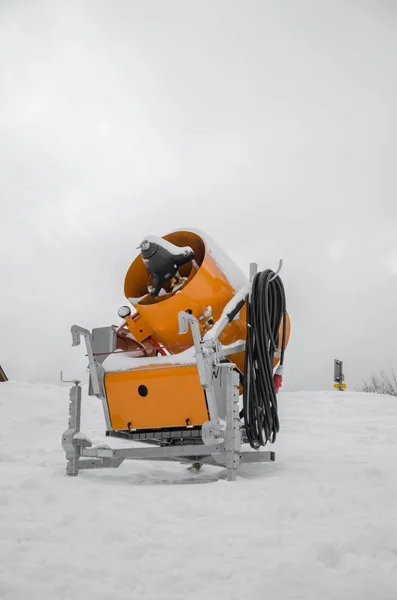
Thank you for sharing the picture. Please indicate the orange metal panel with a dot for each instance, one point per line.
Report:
(140, 329)
(174, 398)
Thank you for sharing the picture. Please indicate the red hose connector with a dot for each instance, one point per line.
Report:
(278, 379)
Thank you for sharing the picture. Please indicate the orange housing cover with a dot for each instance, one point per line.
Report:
(152, 398)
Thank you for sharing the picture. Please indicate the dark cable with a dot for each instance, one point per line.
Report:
(266, 310)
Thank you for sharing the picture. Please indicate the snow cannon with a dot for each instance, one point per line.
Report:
(195, 367)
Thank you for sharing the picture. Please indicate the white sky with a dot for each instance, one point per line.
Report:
(271, 125)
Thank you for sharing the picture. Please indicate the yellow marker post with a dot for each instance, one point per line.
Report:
(340, 387)
(339, 377)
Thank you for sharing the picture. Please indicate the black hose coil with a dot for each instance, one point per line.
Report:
(266, 310)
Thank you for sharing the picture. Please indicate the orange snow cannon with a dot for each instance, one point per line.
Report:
(198, 359)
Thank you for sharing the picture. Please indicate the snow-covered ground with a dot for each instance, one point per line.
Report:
(319, 523)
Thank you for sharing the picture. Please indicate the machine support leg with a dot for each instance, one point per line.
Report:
(72, 448)
(233, 435)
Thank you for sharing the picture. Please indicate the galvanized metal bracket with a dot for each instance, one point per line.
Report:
(93, 365)
(69, 443)
(204, 363)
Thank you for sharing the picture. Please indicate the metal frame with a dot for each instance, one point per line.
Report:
(95, 369)
(224, 451)
(221, 438)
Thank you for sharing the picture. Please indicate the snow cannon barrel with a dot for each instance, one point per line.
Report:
(198, 278)
(203, 286)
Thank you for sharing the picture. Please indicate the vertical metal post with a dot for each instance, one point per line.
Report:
(72, 467)
(93, 366)
(233, 435)
(338, 375)
(253, 270)
(203, 365)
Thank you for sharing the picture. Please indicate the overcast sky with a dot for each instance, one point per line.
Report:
(270, 125)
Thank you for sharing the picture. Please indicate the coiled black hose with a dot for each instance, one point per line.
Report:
(266, 309)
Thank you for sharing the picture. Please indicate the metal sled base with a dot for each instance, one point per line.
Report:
(223, 450)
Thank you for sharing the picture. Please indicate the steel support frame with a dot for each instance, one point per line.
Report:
(72, 449)
(226, 452)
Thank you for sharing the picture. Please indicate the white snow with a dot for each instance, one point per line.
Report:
(125, 361)
(236, 277)
(171, 248)
(320, 523)
(82, 437)
(223, 320)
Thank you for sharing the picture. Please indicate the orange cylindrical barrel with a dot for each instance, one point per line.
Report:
(206, 285)
(210, 282)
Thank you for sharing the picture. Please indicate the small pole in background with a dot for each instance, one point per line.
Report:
(339, 378)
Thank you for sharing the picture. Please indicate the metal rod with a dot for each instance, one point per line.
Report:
(277, 273)
(157, 452)
(75, 381)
